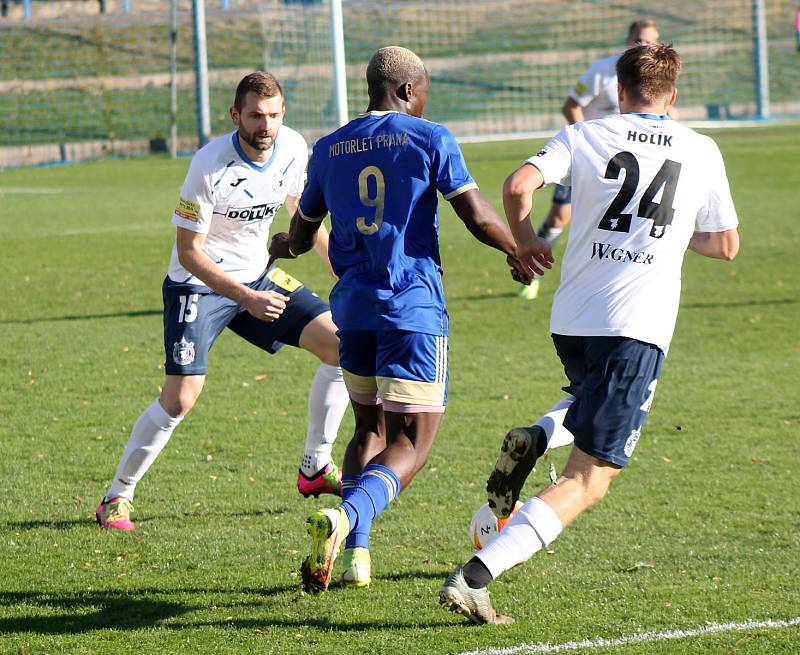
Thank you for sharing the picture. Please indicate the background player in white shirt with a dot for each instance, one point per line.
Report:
(593, 96)
(644, 189)
(219, 276)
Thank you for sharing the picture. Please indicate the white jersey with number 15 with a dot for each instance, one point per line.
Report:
(641, 184)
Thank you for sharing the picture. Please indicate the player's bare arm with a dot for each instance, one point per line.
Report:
(717, 245)
(572, 111)
(486, 225)
(265, 305)
(518, 192)
(302, 233)
(279, 244)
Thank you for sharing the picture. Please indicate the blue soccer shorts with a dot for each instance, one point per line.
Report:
(404, 371)
(613, 380)
(194, 316)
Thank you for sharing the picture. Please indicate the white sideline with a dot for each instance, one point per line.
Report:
(641, 637)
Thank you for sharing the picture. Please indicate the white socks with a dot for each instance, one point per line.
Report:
(327, 402)
(149, 435)
(534, 526)
(550, 234)
(553, 424)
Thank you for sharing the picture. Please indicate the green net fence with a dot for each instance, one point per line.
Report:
(78, 83)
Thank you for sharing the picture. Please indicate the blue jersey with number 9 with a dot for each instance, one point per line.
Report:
(378, 176)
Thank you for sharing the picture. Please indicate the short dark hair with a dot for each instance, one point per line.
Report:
(263, 84)
(649, 72)
(636, 27)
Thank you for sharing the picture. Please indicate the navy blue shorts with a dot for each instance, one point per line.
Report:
(613, 380)
(406, 371)
(194, 316)
(562, 195)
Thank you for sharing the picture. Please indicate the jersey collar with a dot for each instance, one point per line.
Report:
(652, 117)
(240, 151)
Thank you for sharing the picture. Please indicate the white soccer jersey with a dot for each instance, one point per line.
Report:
(641, 184)
(233, 200)
(596, 89)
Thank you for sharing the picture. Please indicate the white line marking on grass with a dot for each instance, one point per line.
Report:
(642, 637)
(29, 189)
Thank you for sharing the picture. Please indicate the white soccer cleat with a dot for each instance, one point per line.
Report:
(457, 596)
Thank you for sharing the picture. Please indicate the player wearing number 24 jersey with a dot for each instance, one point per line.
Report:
(659, 182)
(644, 189)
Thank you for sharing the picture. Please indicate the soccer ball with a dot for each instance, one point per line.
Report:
(485, 525)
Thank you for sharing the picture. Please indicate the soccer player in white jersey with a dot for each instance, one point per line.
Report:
(644, 190)
(219, 276)
(593, 96)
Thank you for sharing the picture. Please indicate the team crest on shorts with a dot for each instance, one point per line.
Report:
(630, 444)
(183, 352)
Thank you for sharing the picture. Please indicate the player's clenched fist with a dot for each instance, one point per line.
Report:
(266, 305)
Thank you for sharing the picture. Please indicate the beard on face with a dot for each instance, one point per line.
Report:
(258, 141)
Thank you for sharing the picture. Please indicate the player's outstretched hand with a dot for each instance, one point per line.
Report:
(519, 272)
(267, 305)
(279, 248)
(535, 255)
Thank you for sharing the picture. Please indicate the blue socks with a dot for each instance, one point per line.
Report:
(355, 539)
(375, 489)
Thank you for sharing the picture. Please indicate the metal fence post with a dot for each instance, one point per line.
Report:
(339, 63)
(201, 72)
(761, 58)
(173, 81)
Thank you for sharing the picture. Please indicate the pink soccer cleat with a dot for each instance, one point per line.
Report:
(115, 513)
(325, 481)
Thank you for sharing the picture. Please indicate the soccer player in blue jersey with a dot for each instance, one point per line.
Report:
(378, 177)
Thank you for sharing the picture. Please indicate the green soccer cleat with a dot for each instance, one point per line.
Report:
(357, 568)
(513, 466)
(457, 596)
(529, 291)
(328, 529)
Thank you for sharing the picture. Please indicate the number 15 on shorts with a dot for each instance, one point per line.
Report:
(188, 310)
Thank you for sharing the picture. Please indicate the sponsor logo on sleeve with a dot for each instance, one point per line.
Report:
(188, 210)
(581, 89)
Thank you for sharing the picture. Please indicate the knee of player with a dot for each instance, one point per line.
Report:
(178, 403)
(596, 486)
(329, 354)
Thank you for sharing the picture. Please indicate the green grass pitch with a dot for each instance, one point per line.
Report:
(703, 526)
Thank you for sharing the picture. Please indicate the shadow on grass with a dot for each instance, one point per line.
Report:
(73, 613)
(740, 303)
(484, 296)
(415, 575)
(79, 612)
(82, 317)
(67, 524)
